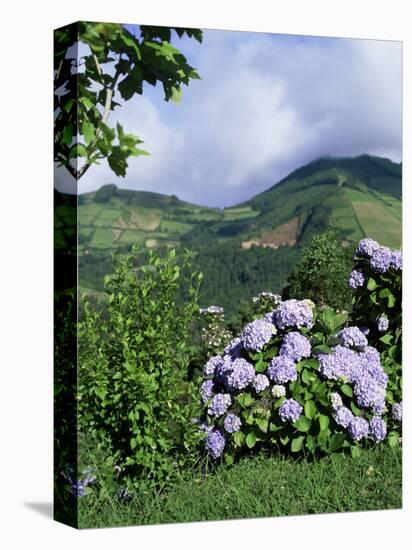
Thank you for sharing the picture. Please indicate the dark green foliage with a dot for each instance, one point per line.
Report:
(234, 275)
(322, 272)
(65, 418)
(134, 401)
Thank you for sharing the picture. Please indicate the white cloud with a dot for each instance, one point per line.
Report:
(265, 105)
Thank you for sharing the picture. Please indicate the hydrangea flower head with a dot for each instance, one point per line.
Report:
(260, 383)
(293, 313)
(356, 279)
(367, 247)
(343, 416)
(240, 375)
(381, 259)
(396, 261)
(341, 362)
(377, 428)
(383, 324)
(206, 390)
(232, 423)
(219, 404)
(290, 410)
(278, 391)
(256, 334)
(295, 346)
(282, 370)
(210, 367)
(358, 428)
(352, 337)
(397, 411)
(215, 443)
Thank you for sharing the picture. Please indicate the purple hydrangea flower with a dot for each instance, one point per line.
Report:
(260, 383)
(240, 375)
(356, 279)
(352, 337)
(290, 410)
(210, 367)
(381, 259)
(219, 404)
(215, 443)
(358, 428)
(206, 390)
(293, 313)
(256, 334)
(383, 324)
(379, 405)
(340, 363)
(367, 247)
(282, 370)
(232, 423)
(234, 348)
(295, 346)
(365, 330)
(377, 429)
(278, 391)
(396, 261)
(367, 391)
(397, 411)
(343, 416)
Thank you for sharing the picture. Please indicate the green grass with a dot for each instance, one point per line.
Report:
(262, 487)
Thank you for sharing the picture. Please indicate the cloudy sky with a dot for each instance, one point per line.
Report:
(266, 105)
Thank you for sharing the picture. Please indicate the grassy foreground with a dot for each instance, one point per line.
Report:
(263, 487)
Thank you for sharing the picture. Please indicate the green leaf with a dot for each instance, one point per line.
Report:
(250, 440)
(393, 439)
(177, 94)
(262, 424)
(67, 135)
(355, 451)
(386, 338)
(336, 442)
(346, 390)
(323, 438)
(310, 409)
(302, 424)
(371, 285)
(239, 439)
(323, 421)
(88, 131)
(386, 293)
(297, 444)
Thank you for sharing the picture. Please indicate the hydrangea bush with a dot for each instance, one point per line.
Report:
(376, 282)
(303, 379)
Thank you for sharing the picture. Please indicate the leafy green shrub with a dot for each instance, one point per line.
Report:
(134, 401)
(321, 273)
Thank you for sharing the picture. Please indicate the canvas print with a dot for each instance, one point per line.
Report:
(228, 274)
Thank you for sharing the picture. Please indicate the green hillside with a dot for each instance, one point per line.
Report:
(251, 246)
